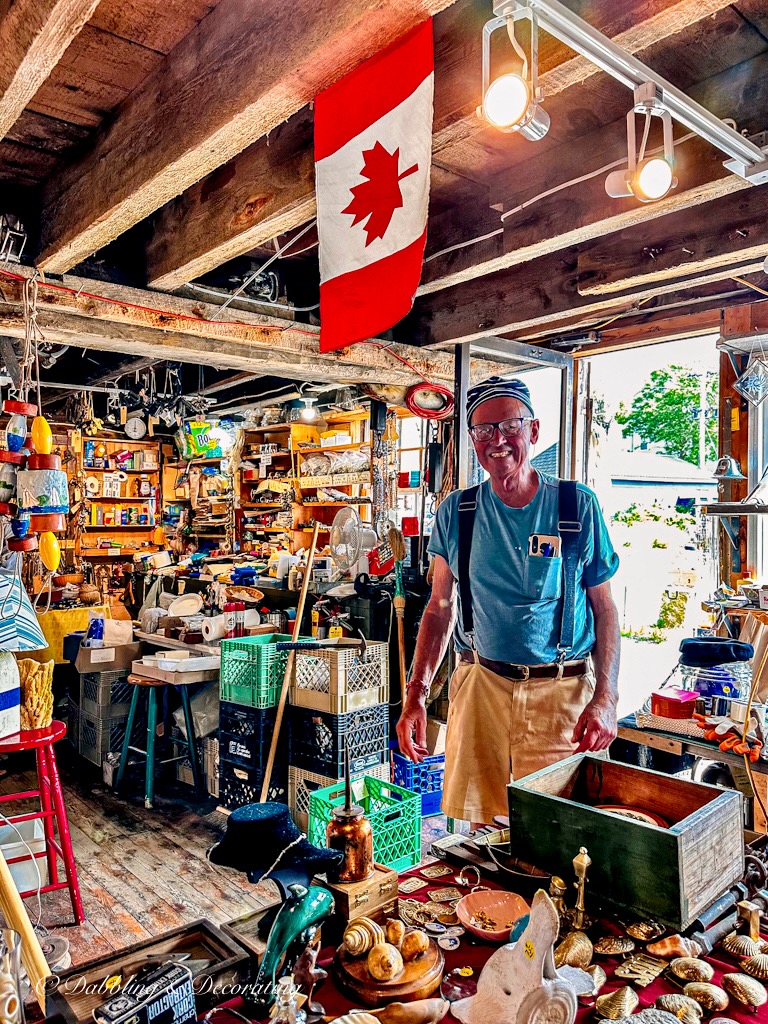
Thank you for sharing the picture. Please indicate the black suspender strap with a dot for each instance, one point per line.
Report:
(569, 528)
(467, 512)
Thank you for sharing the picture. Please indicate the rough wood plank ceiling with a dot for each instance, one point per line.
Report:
(231, 181)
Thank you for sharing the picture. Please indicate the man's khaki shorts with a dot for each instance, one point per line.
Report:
(501, 729)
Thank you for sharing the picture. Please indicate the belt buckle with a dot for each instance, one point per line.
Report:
(525, 672)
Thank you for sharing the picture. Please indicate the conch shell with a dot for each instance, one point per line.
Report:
(574, 951)
(688, 968)
(615, 1005)
(361, 935)
(757, 966)
(384, 962)
(683, 1007)
(674, 946)
(414, 944)
(395, 931)
(746, 990)
(711, 997)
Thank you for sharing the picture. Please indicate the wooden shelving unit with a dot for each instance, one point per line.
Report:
(295, 441)
(133, 536)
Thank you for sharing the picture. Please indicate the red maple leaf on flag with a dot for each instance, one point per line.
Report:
(379, 196)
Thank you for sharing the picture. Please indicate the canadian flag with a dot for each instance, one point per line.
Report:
(373, 148)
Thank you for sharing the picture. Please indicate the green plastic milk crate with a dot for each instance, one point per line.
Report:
(252, 670)
(394, 813)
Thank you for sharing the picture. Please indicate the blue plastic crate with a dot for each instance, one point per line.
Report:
(425, 778)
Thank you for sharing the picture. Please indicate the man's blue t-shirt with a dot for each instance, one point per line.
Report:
(517, 598)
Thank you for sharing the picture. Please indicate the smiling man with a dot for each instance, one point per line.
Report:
(527, 561)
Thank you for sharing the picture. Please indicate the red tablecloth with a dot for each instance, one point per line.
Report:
(474, 952)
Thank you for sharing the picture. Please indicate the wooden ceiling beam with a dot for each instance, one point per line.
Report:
(34, 35)
(584, 211)
(728, 232)
(189, 331)
(240, 73)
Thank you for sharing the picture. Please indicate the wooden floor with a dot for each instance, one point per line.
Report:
(141, 872)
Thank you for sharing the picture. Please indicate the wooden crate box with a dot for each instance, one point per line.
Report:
(669, 874)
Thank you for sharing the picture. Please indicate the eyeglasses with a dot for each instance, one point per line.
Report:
(509, 428)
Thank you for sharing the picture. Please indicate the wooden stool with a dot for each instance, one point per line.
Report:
(52, 811)
(148, 686)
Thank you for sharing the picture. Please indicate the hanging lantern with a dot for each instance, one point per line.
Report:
(42, 436)
(50, 552)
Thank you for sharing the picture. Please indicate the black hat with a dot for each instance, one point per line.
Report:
(257, 834)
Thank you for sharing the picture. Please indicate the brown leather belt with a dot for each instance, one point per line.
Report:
(523, 672)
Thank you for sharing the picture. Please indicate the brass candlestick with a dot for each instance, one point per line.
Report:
(581, 863)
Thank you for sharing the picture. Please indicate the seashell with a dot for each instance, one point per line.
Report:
(651, 1015)
(384, 962)
(358, 1017)
(361, 935)
(395, 931)
(746, 990)
(645, 931)
(683, 1007)
(741, 946)
(757, 966)
(674, 946)
(711, 997)
(618, 1004)
(614, 945)
(599, 978)
(581, 982)
(574, 951)
(414, 944)
(688, 968)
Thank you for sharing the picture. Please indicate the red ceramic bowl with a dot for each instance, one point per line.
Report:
(494, 907)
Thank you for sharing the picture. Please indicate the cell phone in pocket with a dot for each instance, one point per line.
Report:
(544, 545)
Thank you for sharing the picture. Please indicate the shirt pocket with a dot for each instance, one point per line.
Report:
(543, 580)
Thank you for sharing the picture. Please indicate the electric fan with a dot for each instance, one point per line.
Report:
(350, 540)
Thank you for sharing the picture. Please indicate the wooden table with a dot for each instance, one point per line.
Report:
(676, 744)
(175, 645)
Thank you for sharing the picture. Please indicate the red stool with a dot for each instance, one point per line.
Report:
(52, 810)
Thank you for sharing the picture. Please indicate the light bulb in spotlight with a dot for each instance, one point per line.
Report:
(308, 413)
(654, 178)
(506, 101)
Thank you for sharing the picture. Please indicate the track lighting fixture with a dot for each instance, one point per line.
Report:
(646, 178)
(511, 101)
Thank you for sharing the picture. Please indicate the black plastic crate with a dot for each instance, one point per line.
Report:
(245, 735)
(319, 739)
(239, 785)
(105, 695)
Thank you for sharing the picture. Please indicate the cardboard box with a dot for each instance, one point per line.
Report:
(763, 598)
(107, 659)
(668, 873)
(436, 730)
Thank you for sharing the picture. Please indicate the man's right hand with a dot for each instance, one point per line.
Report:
(413, 720)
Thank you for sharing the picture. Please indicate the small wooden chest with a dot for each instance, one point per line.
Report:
(363, 899)
(669, 874)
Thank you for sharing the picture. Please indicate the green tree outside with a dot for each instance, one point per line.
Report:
(666, 409)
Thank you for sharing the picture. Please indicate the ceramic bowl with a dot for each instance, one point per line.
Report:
(503, 908)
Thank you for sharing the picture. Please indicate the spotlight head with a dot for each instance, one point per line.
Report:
(651, 181)
(511, 101)
(506, 101)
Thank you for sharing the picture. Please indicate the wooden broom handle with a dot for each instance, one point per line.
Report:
(16, 916)
(288, 668)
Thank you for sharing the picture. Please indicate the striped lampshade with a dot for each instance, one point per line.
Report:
(19, 628)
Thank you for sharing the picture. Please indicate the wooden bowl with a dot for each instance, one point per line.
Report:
(62, 579)
(503, 908)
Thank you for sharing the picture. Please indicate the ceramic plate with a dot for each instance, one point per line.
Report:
(187, 604)
(635, 813)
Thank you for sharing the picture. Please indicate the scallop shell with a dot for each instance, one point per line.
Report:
(688, 968)
(618, 1004)
(741, 946)
(614, 945)
(574, 951)
(711, 997)
(746, 990)
(361, 935)
(674, 946)
(684, 1008)
(645, 931)
(757, 966)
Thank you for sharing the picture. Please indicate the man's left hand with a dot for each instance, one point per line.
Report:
(597, 725)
